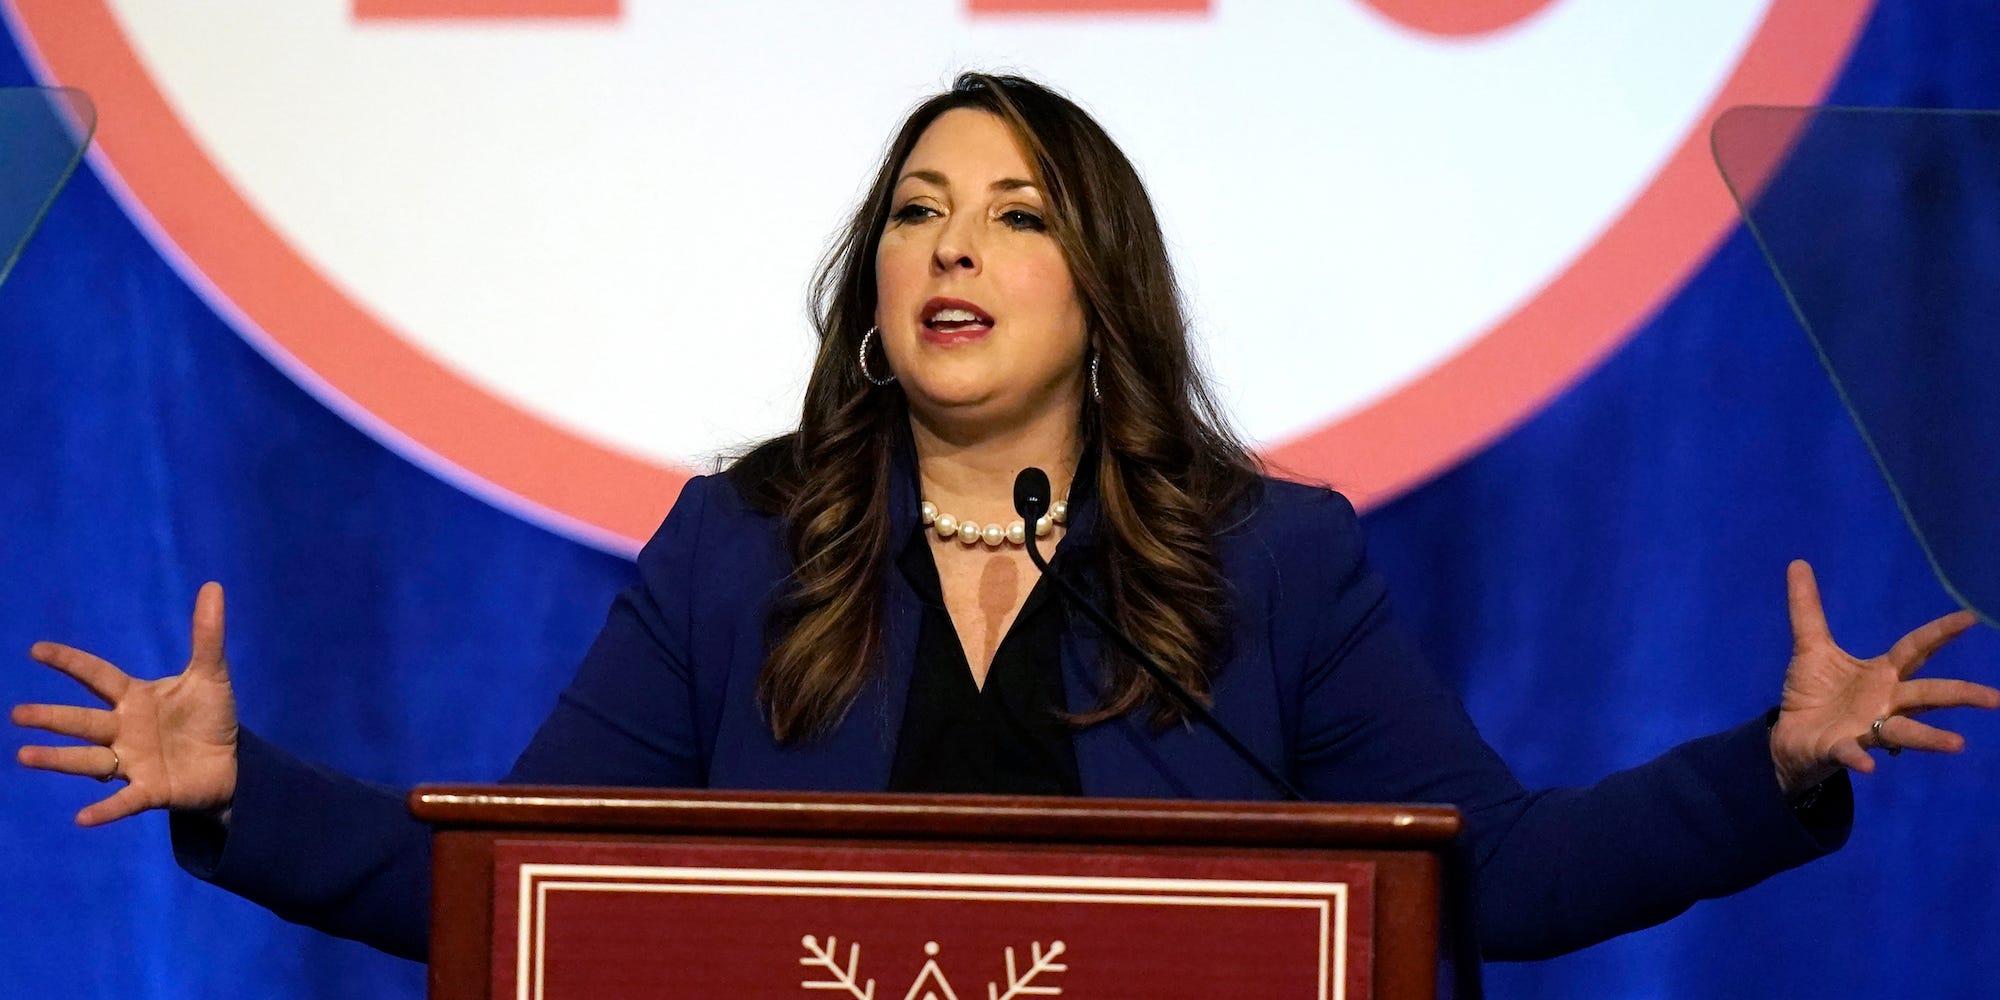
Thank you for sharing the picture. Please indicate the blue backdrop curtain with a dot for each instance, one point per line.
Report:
(1604, 582)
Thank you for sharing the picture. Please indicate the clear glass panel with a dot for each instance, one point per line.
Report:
(1883, 226)
(43, 132)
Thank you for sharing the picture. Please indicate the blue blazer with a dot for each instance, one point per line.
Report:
(1319, 679)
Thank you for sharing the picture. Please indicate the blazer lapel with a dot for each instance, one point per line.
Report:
(1118, 757)
(886, 697)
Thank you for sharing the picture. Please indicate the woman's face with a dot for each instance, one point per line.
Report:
(978, 313)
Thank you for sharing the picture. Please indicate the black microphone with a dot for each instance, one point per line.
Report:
(1031, 501)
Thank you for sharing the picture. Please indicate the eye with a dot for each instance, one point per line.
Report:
(1022, 219)
(912, 212)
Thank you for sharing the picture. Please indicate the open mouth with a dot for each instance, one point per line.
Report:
(955, 318)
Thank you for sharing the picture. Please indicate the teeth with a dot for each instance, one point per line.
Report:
(954, 316)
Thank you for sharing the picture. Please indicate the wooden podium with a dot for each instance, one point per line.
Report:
(604, 894)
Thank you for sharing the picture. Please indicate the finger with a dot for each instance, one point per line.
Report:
(1909, 734)
(88, 762)
(1850, 755)
(1802, 594)
(1911, 651)
(104, 680)
(1914, 697)
(206, 656)
(127, 801)
(92, 724)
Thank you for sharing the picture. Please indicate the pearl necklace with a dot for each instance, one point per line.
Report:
(995, 534)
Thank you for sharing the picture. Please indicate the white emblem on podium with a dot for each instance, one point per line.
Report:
(1019, 985)
(930, 973)
(930, 983)
(848, 979)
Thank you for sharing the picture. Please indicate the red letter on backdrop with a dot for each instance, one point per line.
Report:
(481, 10)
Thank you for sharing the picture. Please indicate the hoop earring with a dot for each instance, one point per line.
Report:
(866, 338)
(1096, 394)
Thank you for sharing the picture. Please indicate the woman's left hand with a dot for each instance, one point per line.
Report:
(1828, 717)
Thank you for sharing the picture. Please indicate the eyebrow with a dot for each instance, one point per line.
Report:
(933, 177)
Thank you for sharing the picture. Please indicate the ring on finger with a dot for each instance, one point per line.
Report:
(1876, 729)
(116, 765)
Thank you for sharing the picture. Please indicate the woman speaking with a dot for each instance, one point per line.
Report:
(852, 606)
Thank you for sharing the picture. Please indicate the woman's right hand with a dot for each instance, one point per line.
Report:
(172, 741)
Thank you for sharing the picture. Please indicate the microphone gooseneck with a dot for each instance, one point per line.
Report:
(1031, 501)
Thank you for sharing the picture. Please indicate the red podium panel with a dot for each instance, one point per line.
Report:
(607, 894)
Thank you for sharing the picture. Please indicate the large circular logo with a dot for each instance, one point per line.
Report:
(556, 250)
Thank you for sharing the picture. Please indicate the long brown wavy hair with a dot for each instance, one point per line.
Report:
(1169, 471)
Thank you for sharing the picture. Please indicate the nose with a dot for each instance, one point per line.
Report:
(955, 250)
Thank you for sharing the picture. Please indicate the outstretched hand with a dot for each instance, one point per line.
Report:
(172, 741)
(1836, 708)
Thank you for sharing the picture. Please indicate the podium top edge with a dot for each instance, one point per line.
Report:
(934, 817)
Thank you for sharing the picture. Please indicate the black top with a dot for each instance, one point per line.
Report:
(1008, 738)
